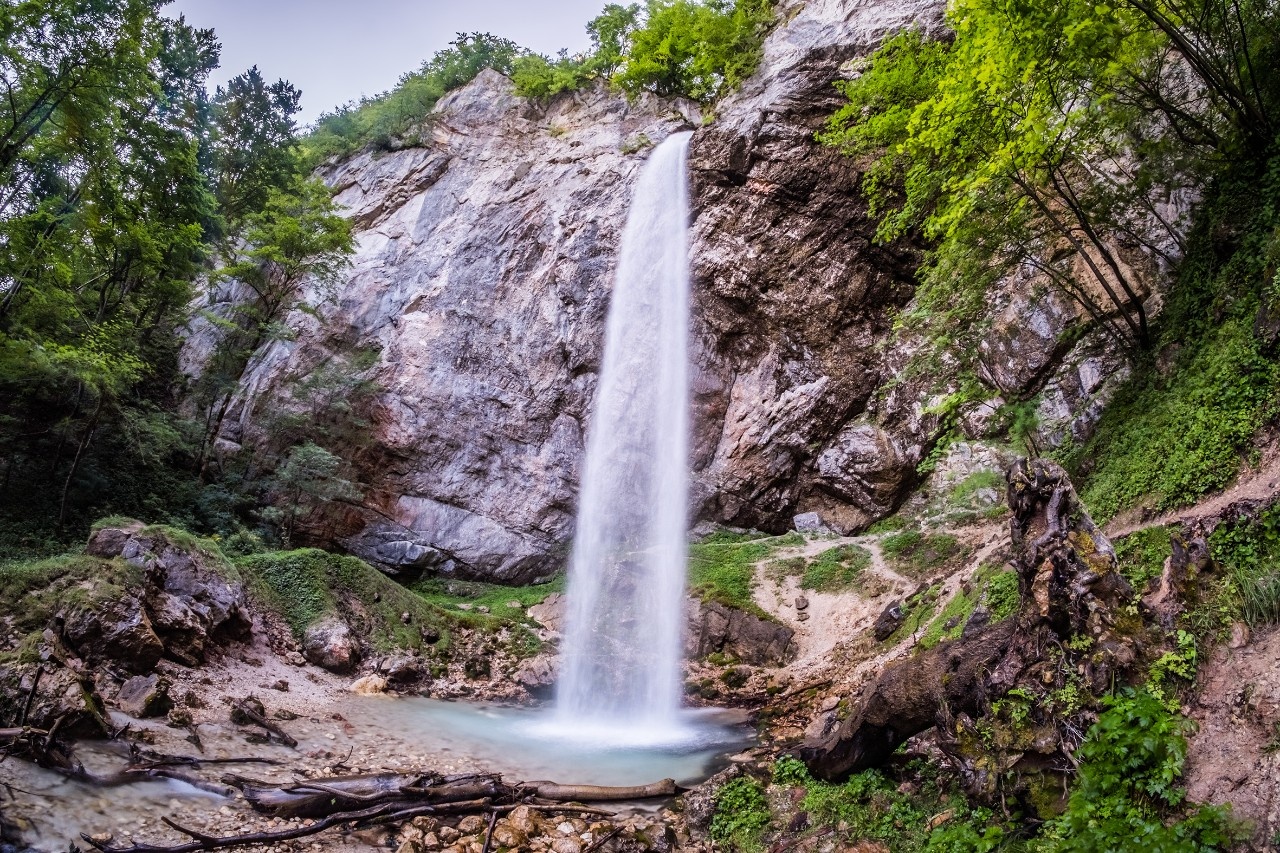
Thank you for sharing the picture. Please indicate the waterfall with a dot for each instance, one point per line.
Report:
(620, 667)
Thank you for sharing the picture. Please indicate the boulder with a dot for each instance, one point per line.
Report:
(538, 676)
(402, 669)
(867, 465)
(116, 630)
(144, 696)
(329, 644)
(889, 620)
(810, 522)
(62, 696)
(549, 613)
(717, 628)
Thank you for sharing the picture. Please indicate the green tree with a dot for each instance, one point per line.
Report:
(700, 50)
(297, 241)
(254, 145)
(309, 477)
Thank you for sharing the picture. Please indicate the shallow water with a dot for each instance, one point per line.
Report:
(372, 734)
(532, 744)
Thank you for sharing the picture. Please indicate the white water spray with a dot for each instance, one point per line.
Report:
(620, 670)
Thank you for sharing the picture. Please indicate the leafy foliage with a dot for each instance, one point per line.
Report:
(1127, 787)
(1250, 550)
(741, 813)
(395, 118)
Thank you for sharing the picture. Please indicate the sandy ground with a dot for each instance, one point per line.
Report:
(1234, 756)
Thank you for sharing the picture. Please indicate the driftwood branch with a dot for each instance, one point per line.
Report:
(393, 798)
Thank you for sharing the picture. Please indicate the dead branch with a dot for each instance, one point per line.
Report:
(244, 713)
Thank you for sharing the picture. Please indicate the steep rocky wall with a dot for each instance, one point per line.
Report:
(483, 271)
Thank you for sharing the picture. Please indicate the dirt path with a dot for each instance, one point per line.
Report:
(1253, 485)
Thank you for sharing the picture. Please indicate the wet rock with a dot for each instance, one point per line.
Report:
(402, 669)
(145, 696)
(889, 620)
(329, 644)
(538, 676)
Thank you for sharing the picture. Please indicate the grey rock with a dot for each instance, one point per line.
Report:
(402, 669)
(889, 620)
(62, 696)
(801, 602)
(717, 628)
(117, 630)
(549, 613)
(144, 696)
(483, 274)
(810, 522)
(538, 675)
(329, 644)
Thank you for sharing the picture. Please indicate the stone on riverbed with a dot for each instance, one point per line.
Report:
(329, 644)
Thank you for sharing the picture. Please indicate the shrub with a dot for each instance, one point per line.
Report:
(741, 813)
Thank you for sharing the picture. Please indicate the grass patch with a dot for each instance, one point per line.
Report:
(497, 599)
(306, 585)
(949, 624)
(1141, 555)
(917, 554)
(722, 567)
(1250, 551)
(836, 568)
(967, 489)
(33, 592)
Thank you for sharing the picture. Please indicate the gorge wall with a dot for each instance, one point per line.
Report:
(482, 275)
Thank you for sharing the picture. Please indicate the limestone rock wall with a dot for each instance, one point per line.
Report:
(483, 272)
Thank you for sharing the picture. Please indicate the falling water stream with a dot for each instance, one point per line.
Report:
(620, 667)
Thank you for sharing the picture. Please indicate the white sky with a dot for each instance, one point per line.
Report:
(337, 50)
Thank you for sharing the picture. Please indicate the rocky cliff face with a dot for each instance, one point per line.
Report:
(483, 274)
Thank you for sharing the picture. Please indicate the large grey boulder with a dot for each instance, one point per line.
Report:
(330, 644)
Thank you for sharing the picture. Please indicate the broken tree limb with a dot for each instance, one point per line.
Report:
(250, 711)
(601, 793)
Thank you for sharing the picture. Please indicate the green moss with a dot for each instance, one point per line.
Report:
(949, 624)
(1141, 555)
(722, 568)
(32, 592)
(449, 594)
(917, 554)
(304, 586)
(836, 568)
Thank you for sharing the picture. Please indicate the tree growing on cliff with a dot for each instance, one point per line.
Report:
(1050, 136)
(294, 248)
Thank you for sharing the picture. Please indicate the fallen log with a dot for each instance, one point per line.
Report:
(392, 798)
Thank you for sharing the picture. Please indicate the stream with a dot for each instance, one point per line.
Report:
(362, 734)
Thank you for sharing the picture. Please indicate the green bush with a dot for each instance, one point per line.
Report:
(1001, 595)
(1127, 790)
(741, 813)
(393, 117)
